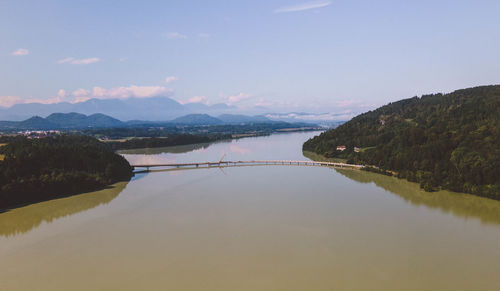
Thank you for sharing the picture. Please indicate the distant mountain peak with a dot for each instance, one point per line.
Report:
(70, 120)
(152, 108)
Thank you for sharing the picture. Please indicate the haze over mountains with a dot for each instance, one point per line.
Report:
(64, 121)
(154, 109)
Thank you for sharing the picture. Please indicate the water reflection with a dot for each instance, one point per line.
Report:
(222, 166)
(165, 155)
(286, 146)
(238, 149)
(173, 149)
(22, 220)
(255, 228)
(459, 204)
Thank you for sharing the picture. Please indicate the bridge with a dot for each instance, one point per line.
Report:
(248, 163)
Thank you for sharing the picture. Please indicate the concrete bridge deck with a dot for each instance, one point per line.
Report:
(249, 163)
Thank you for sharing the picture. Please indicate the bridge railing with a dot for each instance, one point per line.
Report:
(251, 162)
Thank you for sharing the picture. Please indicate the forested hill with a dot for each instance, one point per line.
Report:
(449, 141)
(34, 170)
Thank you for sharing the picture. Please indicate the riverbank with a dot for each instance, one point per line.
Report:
(441, 141)
(269, 228)
(35, 170)
(134, 142)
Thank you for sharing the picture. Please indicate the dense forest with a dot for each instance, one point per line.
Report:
(34, 170)
(168, 130)
(171, 140)
(449, 141)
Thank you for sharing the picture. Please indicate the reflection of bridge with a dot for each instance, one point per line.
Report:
(248, 163)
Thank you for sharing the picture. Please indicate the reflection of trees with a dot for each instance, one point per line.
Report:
(173, 149)
(24, 219)
(459, 204)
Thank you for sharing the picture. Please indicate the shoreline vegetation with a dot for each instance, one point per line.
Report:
(158, 142)
(179, 140)
(440, 141)
(138, 138)
(35, 170)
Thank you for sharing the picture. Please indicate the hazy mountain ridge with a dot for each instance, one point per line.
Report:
(152, 109)
(193, 119)
(78, 120)
(159, 109)
(240, 118)
(73, 120)
(63, 121)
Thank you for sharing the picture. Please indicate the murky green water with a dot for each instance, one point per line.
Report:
(253, 228)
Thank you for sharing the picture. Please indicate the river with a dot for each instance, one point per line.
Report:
(252, 228)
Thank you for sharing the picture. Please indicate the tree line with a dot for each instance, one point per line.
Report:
(449, 141)
(170, 140)
(35, 170)
(227, 130)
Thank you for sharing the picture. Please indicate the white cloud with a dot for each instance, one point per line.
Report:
(81, 99)
(85, 61)
(66, 60)
(196, 99)
(120, 92)
(80, 93)
(56, 99)
(175, 35)
(303, 6)
(61, 93)
(171, 79)
(74, 61)
(204, 35)
(238, 98)
(20, 52)
(127, 92)
(8, 101)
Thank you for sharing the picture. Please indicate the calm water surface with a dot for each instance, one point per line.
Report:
(253, 228)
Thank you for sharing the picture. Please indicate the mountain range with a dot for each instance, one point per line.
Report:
(63, 121)
(160, 109)
(73, 120)
(153, 108)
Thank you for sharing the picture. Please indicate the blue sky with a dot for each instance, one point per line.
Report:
(314, 56)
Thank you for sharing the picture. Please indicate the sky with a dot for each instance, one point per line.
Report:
(310, 56)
